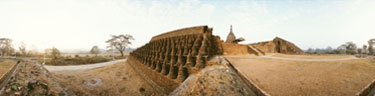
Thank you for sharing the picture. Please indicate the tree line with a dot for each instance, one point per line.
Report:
(346, 48)
(118, 43)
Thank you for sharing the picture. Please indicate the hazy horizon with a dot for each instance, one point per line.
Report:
(81, 24)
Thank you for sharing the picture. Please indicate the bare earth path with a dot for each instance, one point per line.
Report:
(80, 67)
(291, 75)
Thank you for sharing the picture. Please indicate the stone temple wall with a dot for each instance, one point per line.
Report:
(286, 47)
(266, 47)
(168, 59)
(235, 49)
(278, 45)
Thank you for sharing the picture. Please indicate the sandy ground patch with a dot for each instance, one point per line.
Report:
(322, 56)
(317, 78)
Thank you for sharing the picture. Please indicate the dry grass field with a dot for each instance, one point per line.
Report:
(314, 78)
(5, 65)
(117, 79)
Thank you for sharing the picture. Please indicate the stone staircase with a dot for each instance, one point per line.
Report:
(256, 50)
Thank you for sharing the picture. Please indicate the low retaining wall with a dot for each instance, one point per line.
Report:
(258, 91)
(369, 90)
(235, 49)
(157, 80)
(6, 77)
(2, 77)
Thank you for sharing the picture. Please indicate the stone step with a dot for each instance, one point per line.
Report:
(257, 51)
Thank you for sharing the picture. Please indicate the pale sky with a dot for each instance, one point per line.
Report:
(80, 24)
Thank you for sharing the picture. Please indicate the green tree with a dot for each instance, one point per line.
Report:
(22, 49)
(95, 50)
(119, 42)
(341, 49)
(371, 43)
(55, 53)
(364, 49)
(350, 48)
(6, 47)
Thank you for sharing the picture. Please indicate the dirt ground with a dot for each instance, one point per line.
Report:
(316, 78)
(5, 66)
(31, 79)
(114, 80)
(313, 56)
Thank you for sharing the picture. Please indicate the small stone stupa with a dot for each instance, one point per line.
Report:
(231, 38)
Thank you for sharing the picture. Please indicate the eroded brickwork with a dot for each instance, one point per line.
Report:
(278, 45)
(175, 55)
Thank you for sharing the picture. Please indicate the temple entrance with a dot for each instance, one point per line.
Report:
(278, 50)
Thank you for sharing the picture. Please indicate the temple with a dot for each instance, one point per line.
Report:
(231, 38)
(277, 45)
